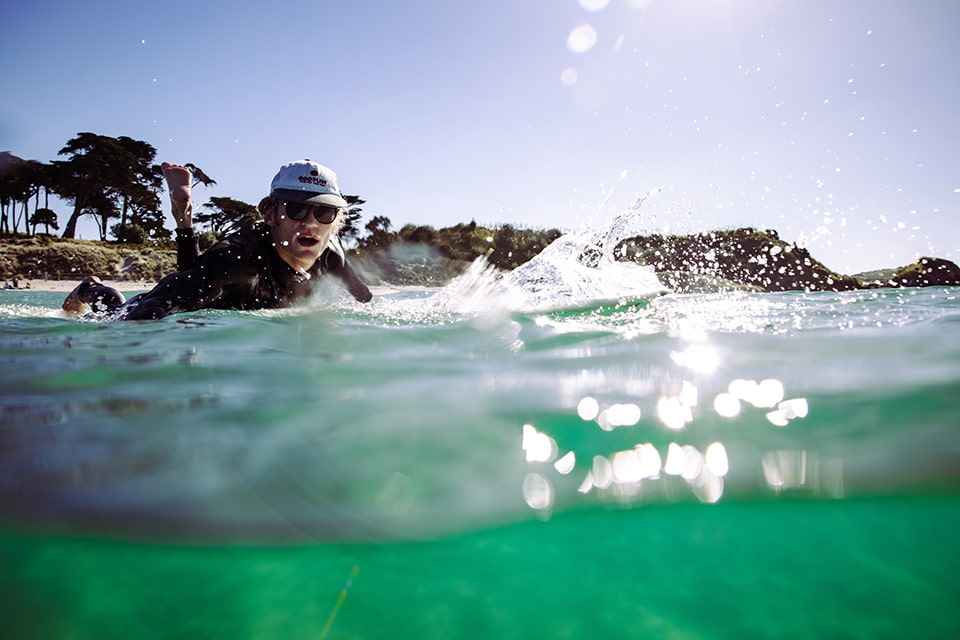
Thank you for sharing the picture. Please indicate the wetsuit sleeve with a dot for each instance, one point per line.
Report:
(357, 288)
(176, 292)
(188, 248)
(208, 285)
(335, 262)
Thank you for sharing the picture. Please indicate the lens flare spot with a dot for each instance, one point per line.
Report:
(587, 483)
(673, 413)
(692, 462)
(675, 460)
(565, 464)
(785, 469)
(726, 405)
(707, 487)
(537, 492)
(716, 459)
(593, 5)
(765, 394)
(588, 408)
(794, 408)
(582, 38)
(602, 472)
(778, 418)
(689, 396)
(698, 357)
(769, 393)
(568, 77)
(626, 467)
(650, 462)
(539, 447)
(742, 389)
(624, 415)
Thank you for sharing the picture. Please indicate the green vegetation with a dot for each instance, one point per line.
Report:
(50, 258)
(103, 177)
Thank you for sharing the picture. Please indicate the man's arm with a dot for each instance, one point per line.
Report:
(201, 287)
(188, 248)
(178, 183)
(336, 263)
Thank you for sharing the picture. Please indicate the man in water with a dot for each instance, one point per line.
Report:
(269, 265)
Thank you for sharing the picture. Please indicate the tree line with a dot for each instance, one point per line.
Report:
(118, 182)
(109, 179)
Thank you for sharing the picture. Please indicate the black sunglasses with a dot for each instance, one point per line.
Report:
(297, 211)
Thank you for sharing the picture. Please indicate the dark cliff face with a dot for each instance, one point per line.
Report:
(759, 260)
(927, 272)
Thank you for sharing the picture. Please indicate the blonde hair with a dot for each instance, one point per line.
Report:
(268, 203)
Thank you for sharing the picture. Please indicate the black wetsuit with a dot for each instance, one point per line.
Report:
(243, 271)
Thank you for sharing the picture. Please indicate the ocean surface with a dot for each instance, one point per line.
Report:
(566, 451)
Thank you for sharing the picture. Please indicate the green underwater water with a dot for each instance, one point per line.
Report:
(873, 568)
(360, 472)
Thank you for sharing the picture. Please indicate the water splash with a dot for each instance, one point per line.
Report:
(626, 225)
(580, 269)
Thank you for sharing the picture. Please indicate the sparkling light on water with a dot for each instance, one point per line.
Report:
(644, 470)
(620, 475)
(699, 357)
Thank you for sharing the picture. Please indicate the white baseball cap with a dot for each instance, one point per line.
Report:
(307, 181)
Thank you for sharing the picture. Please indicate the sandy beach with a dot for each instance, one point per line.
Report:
(66, 286)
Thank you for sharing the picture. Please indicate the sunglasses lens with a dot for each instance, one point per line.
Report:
(325, 215)
(297, 211)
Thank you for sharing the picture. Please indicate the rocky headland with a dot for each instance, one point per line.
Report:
(760, 261)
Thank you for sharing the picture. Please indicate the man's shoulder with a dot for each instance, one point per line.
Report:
(250, 237)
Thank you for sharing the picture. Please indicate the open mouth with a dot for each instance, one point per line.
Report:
(307, 242)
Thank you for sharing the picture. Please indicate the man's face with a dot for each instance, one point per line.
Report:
(299, 242)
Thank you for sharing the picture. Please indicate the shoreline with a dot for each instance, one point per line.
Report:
(66, 286)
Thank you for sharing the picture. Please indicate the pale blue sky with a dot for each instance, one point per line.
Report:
(832, 121)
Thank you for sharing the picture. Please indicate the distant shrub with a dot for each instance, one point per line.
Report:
(130, 233)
